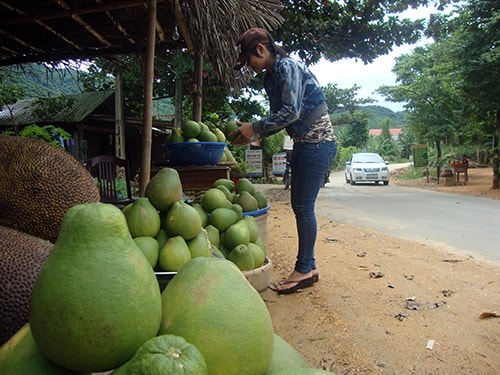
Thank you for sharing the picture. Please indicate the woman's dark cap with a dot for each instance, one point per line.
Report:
(247, 41)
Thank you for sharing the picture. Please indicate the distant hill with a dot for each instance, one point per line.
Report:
(39, 81)
(378, 113)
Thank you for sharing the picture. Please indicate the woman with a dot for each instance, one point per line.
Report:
(298, 105)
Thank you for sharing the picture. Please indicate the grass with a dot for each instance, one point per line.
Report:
(411, 173)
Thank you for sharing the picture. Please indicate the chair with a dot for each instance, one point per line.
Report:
(109, 172)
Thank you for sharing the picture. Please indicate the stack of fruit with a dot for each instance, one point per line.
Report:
(170, 231)
(233, 233)
(96, 305)
(196, 131)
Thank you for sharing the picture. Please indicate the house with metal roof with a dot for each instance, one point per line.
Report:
(90, 119)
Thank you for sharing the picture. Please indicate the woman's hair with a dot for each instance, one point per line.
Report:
(272, 47)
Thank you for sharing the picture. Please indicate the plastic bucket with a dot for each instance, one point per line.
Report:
(259, 277)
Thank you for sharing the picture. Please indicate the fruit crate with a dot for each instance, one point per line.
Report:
(194, 153)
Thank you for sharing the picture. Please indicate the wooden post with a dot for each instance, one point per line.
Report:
(198, 80)
(147, 127)
(119, 121)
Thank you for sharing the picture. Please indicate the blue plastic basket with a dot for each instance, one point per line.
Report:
(194, 153)
(258, 212)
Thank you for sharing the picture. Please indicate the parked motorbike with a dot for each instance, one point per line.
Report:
(287, 176)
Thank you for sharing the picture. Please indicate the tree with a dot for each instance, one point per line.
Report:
(477, 61)
(452, 86)
(428, 86)
(348, 29)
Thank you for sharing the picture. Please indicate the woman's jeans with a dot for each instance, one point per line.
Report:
(309, 163)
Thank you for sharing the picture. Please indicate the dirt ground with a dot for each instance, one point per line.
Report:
(384, 305)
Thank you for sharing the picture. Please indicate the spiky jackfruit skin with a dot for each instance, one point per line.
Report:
(21, 258)
(39, 182)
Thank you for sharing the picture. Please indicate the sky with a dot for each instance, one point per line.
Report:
(346, 73)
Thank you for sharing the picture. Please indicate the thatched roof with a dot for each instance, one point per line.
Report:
(56, 30)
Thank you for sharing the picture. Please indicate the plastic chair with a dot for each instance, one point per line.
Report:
(108, 170)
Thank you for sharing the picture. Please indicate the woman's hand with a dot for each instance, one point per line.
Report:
(242, 135)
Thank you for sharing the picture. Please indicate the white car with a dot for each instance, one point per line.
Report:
(366, 167)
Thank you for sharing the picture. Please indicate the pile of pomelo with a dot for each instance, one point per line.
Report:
(234, 234)
(97, 306)
(197, 131)
(170, 231)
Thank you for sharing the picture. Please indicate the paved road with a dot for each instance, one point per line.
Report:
(463, 224)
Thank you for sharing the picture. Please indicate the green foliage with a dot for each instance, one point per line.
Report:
(357, 131)
(273, 144)
(344, 154)
(343, 99)
(46, 133)
(347, 29)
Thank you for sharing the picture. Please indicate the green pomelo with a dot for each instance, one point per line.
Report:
(190, 129)
(207, 136)
(227, 193)
(222, 218)
(285, 356)
(164, 189)
(174, 254)
(217, 253)
(229, 155)
(253, 227)
(260, 243)
(213, 235)
(143, 218)
(125, 209)
(212, 305)
(203, 126)
(238, 209)
(192, 140)
(230, 127)
(202, 213)
(261, 199)
(200, 245)
(247, 202)
(258, 254)
(149, 247)
(21, 356)
(229, 184)
(165, 354)
(224, 250)
(223, 158)
(220, 135)
(176, 136)
(96, 299)
(244, 184)
(237, 234)
(214, 198)
(161, 238)
(183, 220)
(242, 257)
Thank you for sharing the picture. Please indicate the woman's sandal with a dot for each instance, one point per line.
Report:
(299, 284)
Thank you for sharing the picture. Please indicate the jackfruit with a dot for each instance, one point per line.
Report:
(38, 184)
(21, 258)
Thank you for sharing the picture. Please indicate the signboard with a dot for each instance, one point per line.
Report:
(420, 156)
(279, 163)
(253, 159)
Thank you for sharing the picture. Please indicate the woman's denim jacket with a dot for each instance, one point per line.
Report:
(295, 98)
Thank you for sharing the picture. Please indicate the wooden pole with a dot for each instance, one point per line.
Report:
(119, 121)
(198, 80)
(147, 127)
